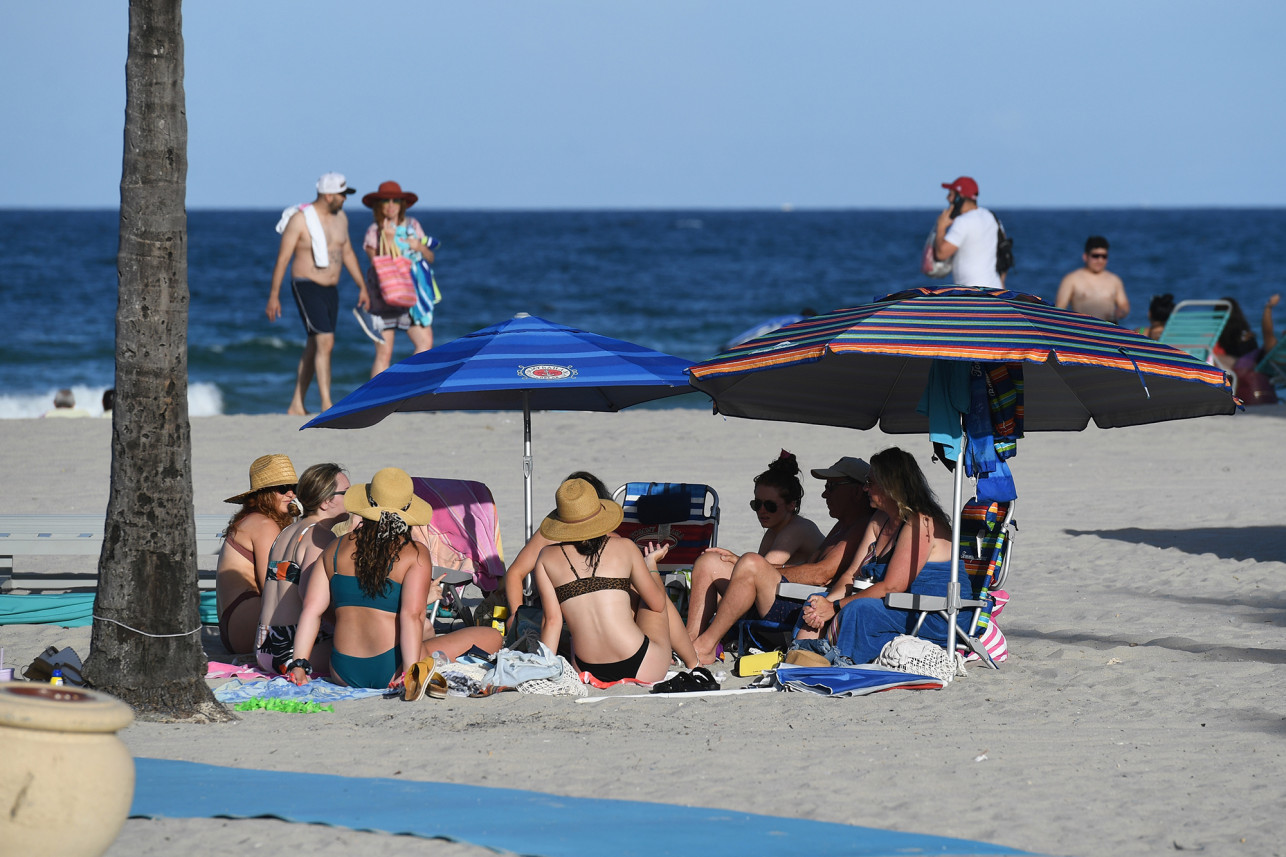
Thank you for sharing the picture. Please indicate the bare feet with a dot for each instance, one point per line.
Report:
(706, 653)
(297, 412)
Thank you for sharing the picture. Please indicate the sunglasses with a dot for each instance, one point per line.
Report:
(284, 489)
(1098, 255)
(757, 504)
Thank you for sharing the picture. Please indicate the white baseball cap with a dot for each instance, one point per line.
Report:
(334, 183)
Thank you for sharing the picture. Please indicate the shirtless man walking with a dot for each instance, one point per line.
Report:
(315, 249)
(1093, 289)
(754, 580)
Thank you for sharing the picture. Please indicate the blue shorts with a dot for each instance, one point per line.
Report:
(318, 306)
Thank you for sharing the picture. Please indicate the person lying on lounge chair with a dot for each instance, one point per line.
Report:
(586, 578)
(754, 579)
(525, 563)
(907, 549)
(789, 539)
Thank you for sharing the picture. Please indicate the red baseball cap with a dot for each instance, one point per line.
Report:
(964, 186)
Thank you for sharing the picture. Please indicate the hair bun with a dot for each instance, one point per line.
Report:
(786, 463)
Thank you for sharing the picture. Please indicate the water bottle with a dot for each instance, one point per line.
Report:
(56, 677)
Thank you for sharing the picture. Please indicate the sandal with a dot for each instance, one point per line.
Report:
(699, 679)
(417, 680)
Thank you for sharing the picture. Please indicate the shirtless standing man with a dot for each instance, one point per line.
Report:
(1093, 289)
(754, 580)
(314, 277)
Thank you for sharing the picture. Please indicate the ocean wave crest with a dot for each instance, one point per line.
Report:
(204, 400)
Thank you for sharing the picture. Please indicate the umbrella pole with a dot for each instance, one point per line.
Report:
(957, 508)
(526, 460)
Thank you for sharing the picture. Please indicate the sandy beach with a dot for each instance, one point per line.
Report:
(1139, 713)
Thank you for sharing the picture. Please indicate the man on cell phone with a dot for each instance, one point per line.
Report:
(966, 234)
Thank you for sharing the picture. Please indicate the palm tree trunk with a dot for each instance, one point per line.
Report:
(146, 643)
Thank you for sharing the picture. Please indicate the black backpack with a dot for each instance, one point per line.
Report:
(1004, 248)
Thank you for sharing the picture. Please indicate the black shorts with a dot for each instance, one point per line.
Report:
(318, 305)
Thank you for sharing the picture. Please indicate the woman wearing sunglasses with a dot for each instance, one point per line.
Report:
(789, 539)
(243, 562)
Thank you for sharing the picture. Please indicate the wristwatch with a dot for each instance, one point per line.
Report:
(302, 663)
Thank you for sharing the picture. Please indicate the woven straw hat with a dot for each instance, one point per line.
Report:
(390, 490)
(580, 514)
(268, 471)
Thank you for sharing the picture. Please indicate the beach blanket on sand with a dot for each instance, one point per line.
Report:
(317, 690)
(71, 609)
(468, 530)
(511, 820)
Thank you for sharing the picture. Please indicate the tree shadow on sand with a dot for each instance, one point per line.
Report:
(1262, 543)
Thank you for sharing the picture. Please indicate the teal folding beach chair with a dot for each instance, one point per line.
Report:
(1194, 327)
(1273, 363)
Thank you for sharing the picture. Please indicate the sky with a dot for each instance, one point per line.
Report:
(500, 104)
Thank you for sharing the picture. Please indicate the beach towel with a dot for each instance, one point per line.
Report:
(321, 256)
(468, 530)
(510, 820)
(72, 609)
(852, 681)
(317, 690)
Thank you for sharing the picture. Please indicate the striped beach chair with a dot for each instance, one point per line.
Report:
(986, 535)
(684, 516)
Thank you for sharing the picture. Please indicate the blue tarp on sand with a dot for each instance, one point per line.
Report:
(509, 819)
(71, 609)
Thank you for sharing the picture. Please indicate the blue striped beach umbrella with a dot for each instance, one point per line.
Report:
(869, 365)
(526, 363)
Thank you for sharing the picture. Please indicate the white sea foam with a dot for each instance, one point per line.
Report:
(204, 400)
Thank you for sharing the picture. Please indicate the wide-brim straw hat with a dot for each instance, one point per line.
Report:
(390, 190)
(268, 471)
(581, 514)
(390, 490)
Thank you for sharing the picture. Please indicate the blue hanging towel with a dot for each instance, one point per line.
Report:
(946, 397)
(995, 482)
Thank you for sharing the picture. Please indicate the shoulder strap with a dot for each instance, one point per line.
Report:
(294, 552)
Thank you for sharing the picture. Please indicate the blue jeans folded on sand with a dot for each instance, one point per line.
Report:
(826, 649)
(866, 625)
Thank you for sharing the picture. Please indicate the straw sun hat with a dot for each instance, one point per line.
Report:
(390, 490)
(268, 471)
(580, 514)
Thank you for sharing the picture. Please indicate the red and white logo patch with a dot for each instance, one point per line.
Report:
(547, 372)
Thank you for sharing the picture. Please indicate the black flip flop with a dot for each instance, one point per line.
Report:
(699, 679)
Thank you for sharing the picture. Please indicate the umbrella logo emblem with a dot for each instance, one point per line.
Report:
(547, 372)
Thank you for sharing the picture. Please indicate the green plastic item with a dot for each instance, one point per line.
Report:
(290, 706)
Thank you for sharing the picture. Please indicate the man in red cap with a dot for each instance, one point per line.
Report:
(966, 234)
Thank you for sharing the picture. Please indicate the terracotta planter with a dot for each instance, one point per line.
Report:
(67, 781)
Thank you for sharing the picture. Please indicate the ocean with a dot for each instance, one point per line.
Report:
(682, 282)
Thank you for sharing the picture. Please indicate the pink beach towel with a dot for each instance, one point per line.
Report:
(467, 529)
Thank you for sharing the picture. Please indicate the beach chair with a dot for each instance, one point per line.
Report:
(1273, 363)
(684, 516)
(463, 538)
(986, 535)
(1194, 327)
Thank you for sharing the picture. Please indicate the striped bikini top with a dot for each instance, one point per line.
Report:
(586, 585)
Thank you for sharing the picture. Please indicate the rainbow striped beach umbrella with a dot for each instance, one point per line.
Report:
(868, 364)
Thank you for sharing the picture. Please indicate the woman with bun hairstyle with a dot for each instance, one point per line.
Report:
(379, 582)
(789, 538)
(243, 561)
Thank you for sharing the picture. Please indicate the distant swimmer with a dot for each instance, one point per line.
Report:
(314, 243)
(1093, 289)
(65, 405)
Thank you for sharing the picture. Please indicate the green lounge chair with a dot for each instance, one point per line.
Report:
(1194, 327)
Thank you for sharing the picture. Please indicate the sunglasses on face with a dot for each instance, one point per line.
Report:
(285, 489)
(757, 504)
(1098, 255)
